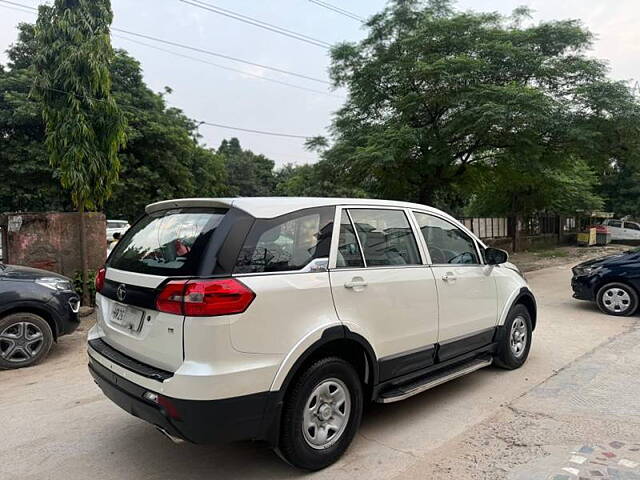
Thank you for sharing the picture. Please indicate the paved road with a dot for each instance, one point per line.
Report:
(55, 423)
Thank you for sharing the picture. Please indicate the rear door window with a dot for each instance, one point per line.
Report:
(167, 243)
(287, 243)
(631, 226)
(386, 237)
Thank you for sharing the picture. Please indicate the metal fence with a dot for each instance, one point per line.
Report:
(487, 227)
(531, 226)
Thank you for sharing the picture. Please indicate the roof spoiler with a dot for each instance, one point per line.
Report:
(189, 202)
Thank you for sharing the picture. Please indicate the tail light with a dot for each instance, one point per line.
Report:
(100, 276)
(204, 298)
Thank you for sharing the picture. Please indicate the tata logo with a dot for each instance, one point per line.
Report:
(121, 293)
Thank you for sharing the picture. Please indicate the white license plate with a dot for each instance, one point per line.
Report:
(127, 317)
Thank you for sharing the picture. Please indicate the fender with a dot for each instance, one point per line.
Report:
(516, 297)
(295, 358)
(34, 306)
(311, 343)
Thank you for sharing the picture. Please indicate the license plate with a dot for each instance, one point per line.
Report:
(127, 317)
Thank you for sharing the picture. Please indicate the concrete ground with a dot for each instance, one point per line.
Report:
(575, 394)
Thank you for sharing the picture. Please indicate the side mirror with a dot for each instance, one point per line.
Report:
(316, 265)
(495, 256)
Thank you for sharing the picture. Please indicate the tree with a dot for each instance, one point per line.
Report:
(514, 189)
(249, 175)
(84, 127)
(433, 92)
(162, 159)
(313, 180)
(22, 151)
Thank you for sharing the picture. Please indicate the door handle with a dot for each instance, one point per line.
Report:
(449, 277)
(356, 284)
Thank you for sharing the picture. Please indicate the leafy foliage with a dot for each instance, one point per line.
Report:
(434, 92)
(162, 158)
(249, 175)
(84, 126)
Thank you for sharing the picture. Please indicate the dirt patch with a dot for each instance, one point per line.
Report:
(537, 259)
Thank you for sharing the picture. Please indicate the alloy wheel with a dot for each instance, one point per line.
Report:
(21, 342)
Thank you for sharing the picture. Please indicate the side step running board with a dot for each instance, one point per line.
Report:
(420, 385)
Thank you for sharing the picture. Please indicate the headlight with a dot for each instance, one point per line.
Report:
(55, 283)
(582, 271)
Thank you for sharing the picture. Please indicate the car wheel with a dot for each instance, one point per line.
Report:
(25, 339)
(321, 414)
(617, 299)
(515, 341)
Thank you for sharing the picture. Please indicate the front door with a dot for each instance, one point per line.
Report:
(383, 291)
(467, 300)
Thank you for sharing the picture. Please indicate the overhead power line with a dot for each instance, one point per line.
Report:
(200, 50)
(220, 55)
(258, 23)
(218, 125)
(339, 10)
(17, 9)
(211, 124)
(224, 67)
(250, 130)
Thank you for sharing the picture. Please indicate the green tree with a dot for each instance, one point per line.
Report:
(313, 180)
(162, 158)
(249, 174)
(511, 188)
(22, 151)
(433, 92)
(84, 127)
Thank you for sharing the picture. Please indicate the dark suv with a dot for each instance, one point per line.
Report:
(36, 307)
(613, 282)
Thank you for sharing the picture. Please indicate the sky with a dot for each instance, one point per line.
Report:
(244, 99)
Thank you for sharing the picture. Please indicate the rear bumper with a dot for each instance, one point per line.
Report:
(200, 421)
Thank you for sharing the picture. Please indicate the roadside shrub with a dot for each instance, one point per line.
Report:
(91, 284)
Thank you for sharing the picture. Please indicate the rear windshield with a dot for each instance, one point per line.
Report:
(168, 243)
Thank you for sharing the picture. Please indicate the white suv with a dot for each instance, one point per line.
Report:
(277, 318)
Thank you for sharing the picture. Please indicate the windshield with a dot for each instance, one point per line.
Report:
(168, 243)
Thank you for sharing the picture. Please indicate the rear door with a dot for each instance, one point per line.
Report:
(382, 289)
(467, 296)
(170, 243)
(631, 231)
(616, 230)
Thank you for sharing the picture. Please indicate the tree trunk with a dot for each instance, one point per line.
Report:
(84, 257)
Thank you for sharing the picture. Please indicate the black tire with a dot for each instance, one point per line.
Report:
(508, 356)
(607, 292)
(294, 446)
(25, 340)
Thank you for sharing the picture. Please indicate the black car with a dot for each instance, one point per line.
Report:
(36, 307)
(613, 282)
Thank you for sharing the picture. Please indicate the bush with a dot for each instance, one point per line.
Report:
(91, 284)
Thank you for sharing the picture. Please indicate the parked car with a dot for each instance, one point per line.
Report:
(613, 282)
(36, 308)
(113, 226)
(278, 318)
(623, 229)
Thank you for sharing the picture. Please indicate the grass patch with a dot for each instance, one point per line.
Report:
(551, 253)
